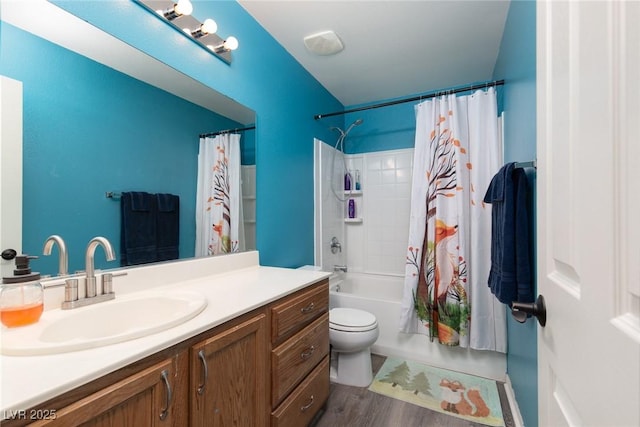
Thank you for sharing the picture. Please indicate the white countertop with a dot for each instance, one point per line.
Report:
(233, 285)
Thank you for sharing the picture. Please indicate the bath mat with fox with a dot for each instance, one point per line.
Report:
(457, 394)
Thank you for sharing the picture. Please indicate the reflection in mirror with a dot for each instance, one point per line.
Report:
(90, 128)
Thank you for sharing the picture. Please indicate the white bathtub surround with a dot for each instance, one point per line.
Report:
(232, 284)
(457, 152)
(378, 244)
(329, 209)
(381, 296)
(249, 191)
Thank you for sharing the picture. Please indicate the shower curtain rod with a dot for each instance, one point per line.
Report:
(415, 98)
(220, 132)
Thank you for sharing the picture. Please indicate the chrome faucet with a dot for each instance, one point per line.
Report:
(63, 257)
(90, 280)
(342, 268)
(90, 294)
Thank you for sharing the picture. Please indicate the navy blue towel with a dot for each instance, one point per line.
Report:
(511, 275)
(138, 241)
(168, 226)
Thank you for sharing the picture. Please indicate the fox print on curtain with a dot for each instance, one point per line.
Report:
(457, 152)
(218, 198)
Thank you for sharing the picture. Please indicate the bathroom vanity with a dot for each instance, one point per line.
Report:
(257, 354)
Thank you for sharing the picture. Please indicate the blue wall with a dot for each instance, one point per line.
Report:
(517, 65)
(89, 129)
(265, 78)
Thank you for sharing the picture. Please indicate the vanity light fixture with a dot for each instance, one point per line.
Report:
(231, 43)
(183, 7)
(201, 33)
(209, 26)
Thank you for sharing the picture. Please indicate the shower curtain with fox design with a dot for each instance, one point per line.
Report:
(219, 227)
(457, 152)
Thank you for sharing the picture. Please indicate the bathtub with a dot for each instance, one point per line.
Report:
(381, 295)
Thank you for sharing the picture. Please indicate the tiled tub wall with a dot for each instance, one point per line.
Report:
(378, 244)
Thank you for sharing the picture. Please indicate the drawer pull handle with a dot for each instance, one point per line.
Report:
(165, 411)
(308, 405)
(307, 353)
(205, 372)
(308, 308)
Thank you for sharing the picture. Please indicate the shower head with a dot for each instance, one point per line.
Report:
(343, 133)
(357, 122)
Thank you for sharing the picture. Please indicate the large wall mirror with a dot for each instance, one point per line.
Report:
(100, 116)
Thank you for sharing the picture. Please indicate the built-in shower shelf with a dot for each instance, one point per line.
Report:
(353, 192)
(353, 220)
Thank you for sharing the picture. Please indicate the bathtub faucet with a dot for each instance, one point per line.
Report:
(342, 268)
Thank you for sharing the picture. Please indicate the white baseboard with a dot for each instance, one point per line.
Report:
(513, 404)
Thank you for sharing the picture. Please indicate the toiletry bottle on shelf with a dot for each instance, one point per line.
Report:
(21, 299)
(351, 210)
(347, 181)
(358, 180)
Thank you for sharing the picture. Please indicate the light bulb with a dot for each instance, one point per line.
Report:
(231, 43)
(209, 26)
(184, 7)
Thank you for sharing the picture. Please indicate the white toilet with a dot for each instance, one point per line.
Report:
(351, 334)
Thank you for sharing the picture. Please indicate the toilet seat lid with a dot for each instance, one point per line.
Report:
(350, 319)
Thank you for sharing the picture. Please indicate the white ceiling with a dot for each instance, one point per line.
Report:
(392, 48)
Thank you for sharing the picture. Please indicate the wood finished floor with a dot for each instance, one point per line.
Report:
(358, 407)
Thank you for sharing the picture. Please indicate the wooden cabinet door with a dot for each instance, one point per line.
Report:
(229, 377)
(147, 398)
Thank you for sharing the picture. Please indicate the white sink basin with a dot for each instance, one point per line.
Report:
(125, 318)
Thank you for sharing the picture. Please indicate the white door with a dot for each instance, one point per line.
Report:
(588, 214)
(10, 170)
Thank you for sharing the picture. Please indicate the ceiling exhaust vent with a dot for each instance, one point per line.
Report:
(324, 43)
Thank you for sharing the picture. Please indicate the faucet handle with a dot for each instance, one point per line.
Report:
(107, 281)
(70, 294)
(70, 290)
(335, 245)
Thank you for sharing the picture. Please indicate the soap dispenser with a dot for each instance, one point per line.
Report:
(21, 296)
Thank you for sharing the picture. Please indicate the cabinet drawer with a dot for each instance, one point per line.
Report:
(294, 313)
(293, 360)
(305, 401)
